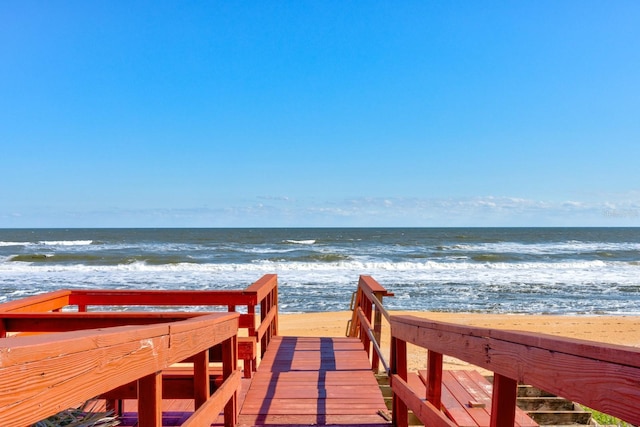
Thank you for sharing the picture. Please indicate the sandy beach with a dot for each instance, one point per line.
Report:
(623, 330)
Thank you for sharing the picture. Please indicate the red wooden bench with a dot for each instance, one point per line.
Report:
(466, 399)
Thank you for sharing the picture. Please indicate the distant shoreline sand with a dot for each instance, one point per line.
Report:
(621, 330)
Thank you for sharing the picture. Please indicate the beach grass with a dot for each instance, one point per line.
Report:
(90, 414)
(606, 420)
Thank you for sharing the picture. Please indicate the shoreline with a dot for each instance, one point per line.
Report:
(609, 329)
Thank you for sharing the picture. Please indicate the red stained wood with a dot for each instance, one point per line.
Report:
(460, 387)
(45, 302)
(333, 377)
(177, 383)
(424, 410)
(433, 378)
(201, 379)
(216, 403)
(399, 371)
(301, 420)
(372, 285)
(503, 401)
(263, 286)
(139, 349)
(100, 297)
(150, 400)
(41, 375)
(73, 321)
(313, 381)
(600, 376)
(450, 406)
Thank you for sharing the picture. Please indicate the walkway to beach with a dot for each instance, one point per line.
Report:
(314, 381)
(54, 356)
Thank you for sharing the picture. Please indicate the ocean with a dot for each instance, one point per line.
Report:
(494, 270)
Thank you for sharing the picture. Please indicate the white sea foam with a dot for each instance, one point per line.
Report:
(15, 243)
(268, 250)
(301, 242)
(563, 276)
(66, 242)
(568, 247)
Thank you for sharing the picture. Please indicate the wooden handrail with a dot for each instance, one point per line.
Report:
(263, 294)
(42, 374)
(373, 297)
(72, 321)
(369, 295)
(104, 297)
(263, 286)
(50, 301)
(601, 376)
(369, 331)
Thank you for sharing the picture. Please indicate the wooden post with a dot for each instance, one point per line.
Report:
(264, 342)
(150, 400)
(201, 380)
(251, 366)
(364, 336)
(355, 323)
(274, 332)
(503, 401)
(229, 365)
(434, 378)
(399, 366)
(377, 333)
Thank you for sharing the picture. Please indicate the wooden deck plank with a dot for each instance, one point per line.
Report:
(309, 420)
(338, 391)
(174, 411)
(460, 387)
(335, 377)
(313, 381)
(311, 406)
(450, 405)
(481, 416)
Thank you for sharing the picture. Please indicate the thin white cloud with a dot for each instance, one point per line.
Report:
(282, 211)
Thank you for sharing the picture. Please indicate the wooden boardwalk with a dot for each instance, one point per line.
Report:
(313, 381)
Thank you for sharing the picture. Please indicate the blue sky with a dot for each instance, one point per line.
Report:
(324, 113)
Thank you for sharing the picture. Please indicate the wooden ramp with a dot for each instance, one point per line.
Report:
(314, 381)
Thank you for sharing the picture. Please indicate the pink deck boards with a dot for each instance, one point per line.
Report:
(300, 382)
(313, 381)
(459, 388)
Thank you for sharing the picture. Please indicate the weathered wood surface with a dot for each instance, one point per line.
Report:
(73, 321)
(367, 311)
(601, 376)
(460, 388)
(176, 412)
(406, 397)
(45, 302)
(44, 374)
(313, 381)
(42, 313)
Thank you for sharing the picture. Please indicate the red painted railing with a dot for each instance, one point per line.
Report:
(43, 374)
(367, 309)
(600, 376)
(65, 348)
(44, 313)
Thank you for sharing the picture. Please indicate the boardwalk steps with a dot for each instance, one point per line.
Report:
(53, 357)
(550, 410)
(543, 407)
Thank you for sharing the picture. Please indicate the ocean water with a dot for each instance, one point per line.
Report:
(497, 270)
